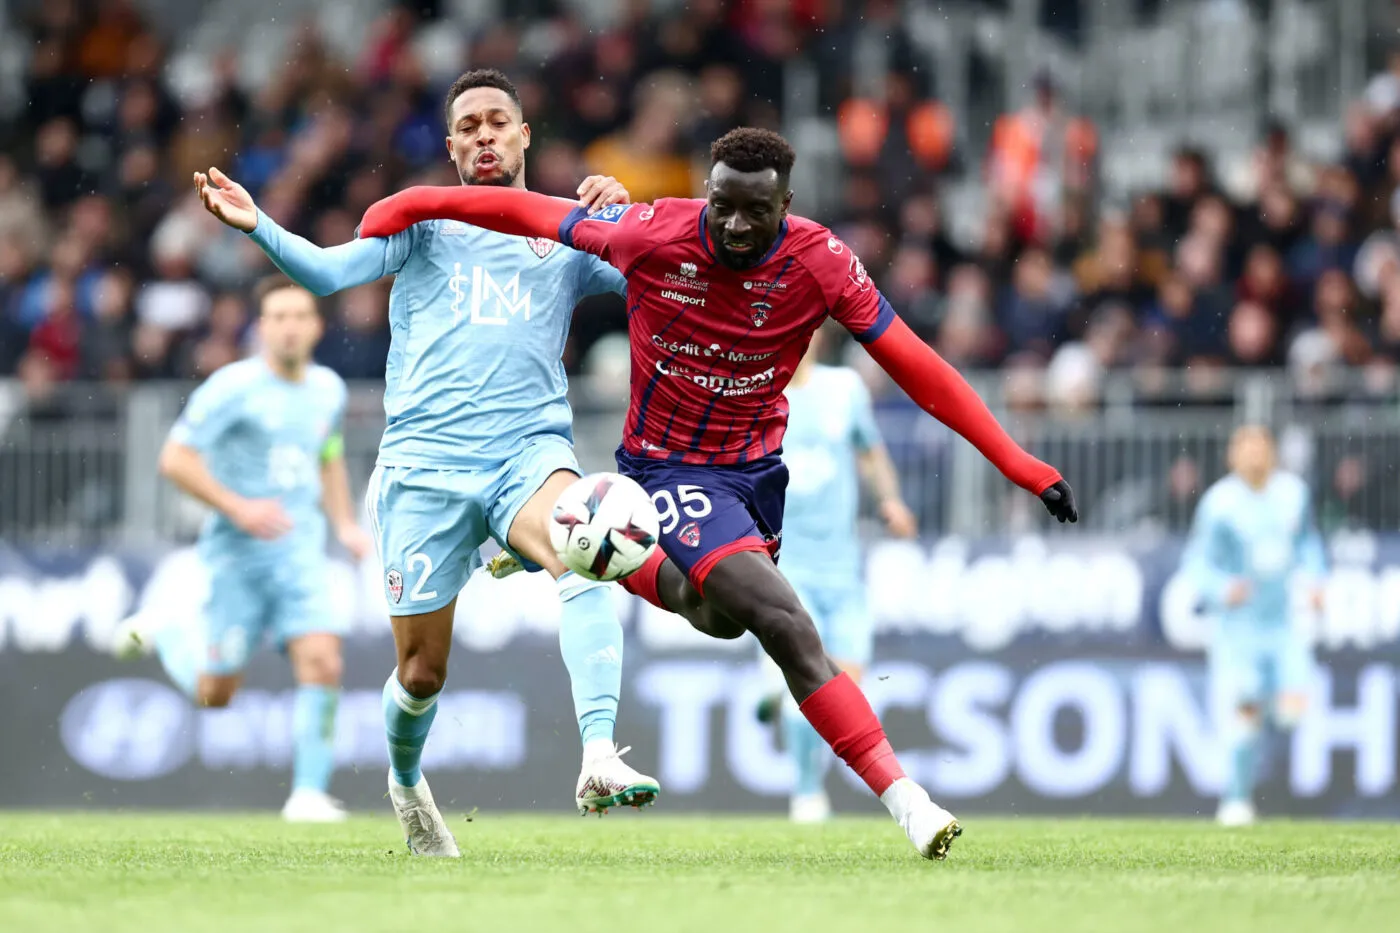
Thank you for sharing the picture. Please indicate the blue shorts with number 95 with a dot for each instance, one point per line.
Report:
(710, 512)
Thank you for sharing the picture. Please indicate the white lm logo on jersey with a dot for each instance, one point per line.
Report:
(491, 302)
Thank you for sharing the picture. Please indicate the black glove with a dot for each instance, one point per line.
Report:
(1059, 502)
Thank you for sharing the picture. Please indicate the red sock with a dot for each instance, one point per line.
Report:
(642, 581)
(841, 714)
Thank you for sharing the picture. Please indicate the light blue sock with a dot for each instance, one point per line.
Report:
(180, 647)
(313, 737)
(590, 640)
(1244, 757)
(809, 754)
(407, 719)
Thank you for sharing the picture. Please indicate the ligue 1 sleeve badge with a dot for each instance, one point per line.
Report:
(394, 582)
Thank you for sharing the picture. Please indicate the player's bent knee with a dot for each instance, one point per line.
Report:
(325, 669)
(216, 692)
(422, 678)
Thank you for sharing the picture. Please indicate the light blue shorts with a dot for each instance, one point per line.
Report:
(430, 524)
(839, 611)
(1254, 667)
(275, 597)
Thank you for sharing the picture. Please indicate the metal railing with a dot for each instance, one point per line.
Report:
(79, 466)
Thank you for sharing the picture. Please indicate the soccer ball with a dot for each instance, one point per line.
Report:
(604, 526)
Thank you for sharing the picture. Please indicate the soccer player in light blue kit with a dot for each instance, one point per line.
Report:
(260, 443)
(1253, 534)
(832, 442)
(479, 440)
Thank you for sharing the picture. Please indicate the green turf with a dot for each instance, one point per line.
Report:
(647, 872)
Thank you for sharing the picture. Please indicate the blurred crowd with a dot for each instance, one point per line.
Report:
(110, 270)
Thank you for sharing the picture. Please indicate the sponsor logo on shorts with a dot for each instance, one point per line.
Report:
(689, 535)
(393, 581)
(682, 298)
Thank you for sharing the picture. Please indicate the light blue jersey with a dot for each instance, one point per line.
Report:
(829, 424)
(475, 396)
(1265, 537)
(478, 323)
(264, 437)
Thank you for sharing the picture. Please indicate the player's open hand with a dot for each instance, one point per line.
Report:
(227, 200)
(598, 191)
(353, 538)
(264, 519)
(899, 520)
(1059, 502)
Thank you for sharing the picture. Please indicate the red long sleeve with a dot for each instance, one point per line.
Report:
(505, 210)
(942, 392)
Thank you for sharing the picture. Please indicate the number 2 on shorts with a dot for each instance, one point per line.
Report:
(416, 594)
(693, 502)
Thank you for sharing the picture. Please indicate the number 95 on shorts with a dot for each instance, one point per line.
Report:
(709, 512)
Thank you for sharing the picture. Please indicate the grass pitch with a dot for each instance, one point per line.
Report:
(207, 874)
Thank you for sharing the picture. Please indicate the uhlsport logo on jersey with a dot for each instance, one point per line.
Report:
(690, 535)
(393, 581)
(683, 298)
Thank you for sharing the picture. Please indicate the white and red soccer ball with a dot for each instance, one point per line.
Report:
(604, 526)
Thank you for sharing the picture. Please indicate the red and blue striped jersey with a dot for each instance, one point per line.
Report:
(712, 347)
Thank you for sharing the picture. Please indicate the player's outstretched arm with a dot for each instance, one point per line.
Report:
(322, 271)
(941, 391)
(505, 210)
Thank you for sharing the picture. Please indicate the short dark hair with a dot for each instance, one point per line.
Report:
(276, 283)
(480, 77)
(749, 149)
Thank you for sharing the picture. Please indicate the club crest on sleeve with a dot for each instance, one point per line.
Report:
(689, 535)
(540, 246)
(759, 312)
(394, 583)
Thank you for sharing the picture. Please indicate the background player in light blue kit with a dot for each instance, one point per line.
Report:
(1252, 535)
(260, 443)
(831, 443)
(479, 438)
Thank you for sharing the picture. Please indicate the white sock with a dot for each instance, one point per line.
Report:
(902, 796)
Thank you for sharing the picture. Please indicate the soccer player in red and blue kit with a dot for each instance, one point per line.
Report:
(723, 297)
